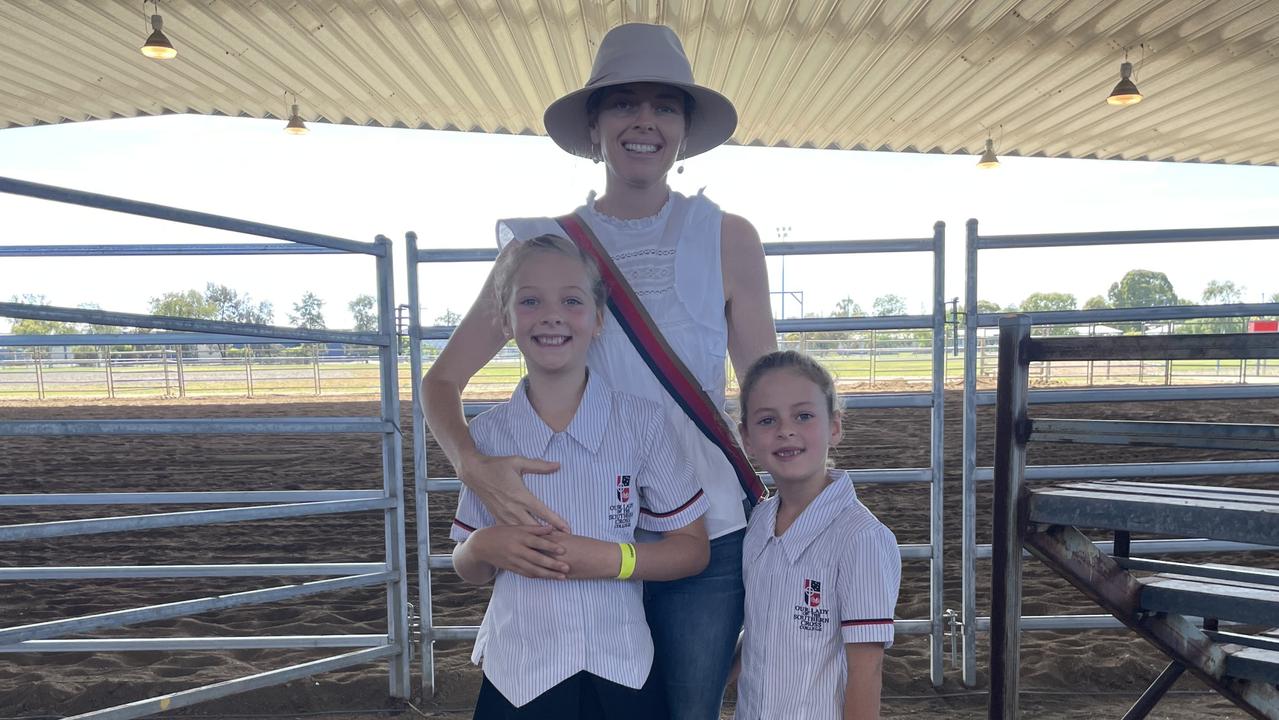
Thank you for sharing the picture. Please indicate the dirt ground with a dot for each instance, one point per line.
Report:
(1064, 675)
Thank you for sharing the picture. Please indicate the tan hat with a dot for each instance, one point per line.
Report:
(635, 53)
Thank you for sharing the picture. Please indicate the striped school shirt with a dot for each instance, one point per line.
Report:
(830, 579)
(619, 471)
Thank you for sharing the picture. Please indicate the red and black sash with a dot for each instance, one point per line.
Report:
(670, 371)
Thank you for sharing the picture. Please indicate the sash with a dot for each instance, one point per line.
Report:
(666, 365)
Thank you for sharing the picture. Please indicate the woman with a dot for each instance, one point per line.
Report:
(700, 273)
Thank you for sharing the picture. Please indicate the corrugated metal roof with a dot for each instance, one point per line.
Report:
(913, 75)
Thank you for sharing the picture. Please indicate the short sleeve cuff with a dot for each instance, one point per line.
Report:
(675, 518)
(868, 631)
(461, 530)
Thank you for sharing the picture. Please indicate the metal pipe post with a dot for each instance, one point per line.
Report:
(420, 499)
(392, 475)
(968, 531)
(936, 577)
(1010, 468)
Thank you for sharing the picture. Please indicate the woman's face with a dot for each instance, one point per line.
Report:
(640, 131)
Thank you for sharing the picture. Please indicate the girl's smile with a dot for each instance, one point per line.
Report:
(553, 314)
(789, 430)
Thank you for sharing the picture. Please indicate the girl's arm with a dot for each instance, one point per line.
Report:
(865, 680)
(747, 307)
(521, 549)
(498, 481)
(680, 553)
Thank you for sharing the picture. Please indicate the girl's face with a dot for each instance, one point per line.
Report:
(788, 429)
(552, 314)
(640, 131)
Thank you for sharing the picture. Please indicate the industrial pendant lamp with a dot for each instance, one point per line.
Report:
(1125, 92)
(295, 125)
(988, 160)
(157, 46)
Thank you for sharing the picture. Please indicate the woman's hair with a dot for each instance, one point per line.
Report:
(509, 262)
(800, 364)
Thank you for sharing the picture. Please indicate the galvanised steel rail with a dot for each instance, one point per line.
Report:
(222, 642)
(390, 573)
(227, 426)
(162, 322)
(12, 186)
(933, 400)
(165, 249)
(190, 518)
(972, 399)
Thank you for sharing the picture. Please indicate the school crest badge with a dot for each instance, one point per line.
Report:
(812, 593)
(623, 488)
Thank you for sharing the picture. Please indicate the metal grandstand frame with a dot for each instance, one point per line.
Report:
(933, 626)
(972, 474)
(390, 572)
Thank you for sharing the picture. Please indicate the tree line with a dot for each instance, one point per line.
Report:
(216, 302)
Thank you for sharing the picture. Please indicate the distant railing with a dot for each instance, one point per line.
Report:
(856, 358)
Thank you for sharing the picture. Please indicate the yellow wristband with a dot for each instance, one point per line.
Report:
(628, 561)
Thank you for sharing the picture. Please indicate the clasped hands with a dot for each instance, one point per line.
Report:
(541, 551)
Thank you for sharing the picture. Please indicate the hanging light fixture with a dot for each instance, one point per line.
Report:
(157, 46)
(295, 125)
(1125, 92)
(988, 160)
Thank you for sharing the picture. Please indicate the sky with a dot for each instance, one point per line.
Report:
(451, 187)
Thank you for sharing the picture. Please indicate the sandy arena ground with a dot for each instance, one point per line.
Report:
(1065, 675)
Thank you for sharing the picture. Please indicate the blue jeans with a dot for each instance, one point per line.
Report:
(695, 622)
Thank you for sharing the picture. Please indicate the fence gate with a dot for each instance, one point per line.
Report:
(393, 646)
(972, 623)
(934, 322)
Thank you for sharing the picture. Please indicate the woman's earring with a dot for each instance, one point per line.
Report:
(680, 170)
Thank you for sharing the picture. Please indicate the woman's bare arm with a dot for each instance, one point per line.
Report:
(747, 307)
(499, 481)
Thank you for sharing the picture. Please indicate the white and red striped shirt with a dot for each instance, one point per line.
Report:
(830, 579)
(619, 470)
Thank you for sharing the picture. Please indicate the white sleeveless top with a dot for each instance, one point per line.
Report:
(672, 261)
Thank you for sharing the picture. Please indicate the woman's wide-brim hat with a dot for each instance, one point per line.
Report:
(640, 53)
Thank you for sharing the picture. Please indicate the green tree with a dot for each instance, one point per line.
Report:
(22, 326)
(189, 304)
(308, 312)
(1096, 302)
(1049, 302)
(889, 305)
(448, 318)
(94, 328)
(1142, 288)
(847, 308)
(231, 306)
(1222, 292)
(364, 309)
(986, 306)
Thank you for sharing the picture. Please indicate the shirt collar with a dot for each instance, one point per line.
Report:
(815, 518)
(587, 426)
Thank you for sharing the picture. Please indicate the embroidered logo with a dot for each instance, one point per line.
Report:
(809, 613)
(812, 593)
(622, 514)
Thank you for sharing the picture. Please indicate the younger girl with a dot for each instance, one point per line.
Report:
(821, 572)
(575, 644)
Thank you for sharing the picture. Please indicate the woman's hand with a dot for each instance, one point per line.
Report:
(499, 482)
(522, 549)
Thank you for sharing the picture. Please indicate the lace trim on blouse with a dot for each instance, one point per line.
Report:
(643, 223)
